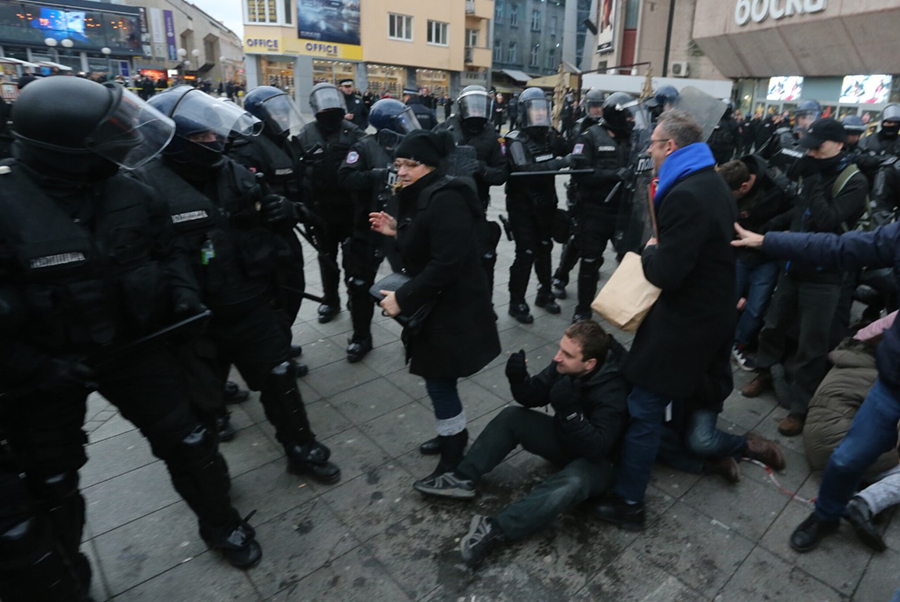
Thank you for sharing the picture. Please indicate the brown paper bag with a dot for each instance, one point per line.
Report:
(626, 299)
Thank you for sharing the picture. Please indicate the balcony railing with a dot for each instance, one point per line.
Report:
(469, 54)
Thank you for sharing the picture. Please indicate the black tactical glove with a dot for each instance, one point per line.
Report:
(66, 375)
(187, 306)
(787, 186)
(309, 217)
(516, 370)
(275, 209)
(623, 174)
(379, 176)
(576, 161)
(565, 397)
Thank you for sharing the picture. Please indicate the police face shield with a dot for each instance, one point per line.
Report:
(132, 133)
(705, 109)
(406, 122)
(536, 113)
(198, 112)
(327, 98)
(474, 104)
(282, 115)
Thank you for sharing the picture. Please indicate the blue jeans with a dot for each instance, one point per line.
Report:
(755, 282)
(444, 397)
(688, 440)
(873, 432)
(648, 411)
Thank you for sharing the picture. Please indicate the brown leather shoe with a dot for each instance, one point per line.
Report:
(726, 467)
(761, 383)
(765, 451)
(791, 425)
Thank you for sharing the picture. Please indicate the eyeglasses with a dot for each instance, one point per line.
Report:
(659, 140)
(407, 163)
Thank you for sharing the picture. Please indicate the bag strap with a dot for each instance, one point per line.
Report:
(865, 220)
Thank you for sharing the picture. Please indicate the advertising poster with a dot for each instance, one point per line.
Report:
(330, 21)
(866, 89)
(785, 88)
(146, 49)
(606, 26)
(158, 32)
(171, 46)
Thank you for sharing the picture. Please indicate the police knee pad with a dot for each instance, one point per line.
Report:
(546, 245)
(21, 539)
(198, 447)
(282, 377)
(56, 488)
(357, 286)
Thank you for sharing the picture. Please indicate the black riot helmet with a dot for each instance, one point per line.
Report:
(617, 115)
(393, 115)
(329, 105)
(593, 102)
(853, 125)
(806, 113)
(534, 109)
(73, 127)
(276, 109)
(202, 125)
(474, 106)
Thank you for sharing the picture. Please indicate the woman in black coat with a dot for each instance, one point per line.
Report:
(435, 232)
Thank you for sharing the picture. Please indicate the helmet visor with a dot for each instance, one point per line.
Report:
(132, 134)
(474, 104)
(327, 98)
(198, 112)
(537, 113)
(406, 122)
(282, 115)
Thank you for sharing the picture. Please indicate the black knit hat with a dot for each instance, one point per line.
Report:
(423, 146)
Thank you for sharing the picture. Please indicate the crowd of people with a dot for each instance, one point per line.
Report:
(150, 245)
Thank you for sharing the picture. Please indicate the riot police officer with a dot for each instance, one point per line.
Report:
(357, 111)
(368, 174)
(783, 150)
(662, 100)
(606, 147)
(322, 146)
(266, 155)
(470, 127)
(886, 141)
(93, 258)
(531, 201)
(726, 138)
(212, 200)
(424, 113)
(593, 103)
(867, 162)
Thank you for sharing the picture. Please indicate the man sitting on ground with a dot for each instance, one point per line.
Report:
(588, 393)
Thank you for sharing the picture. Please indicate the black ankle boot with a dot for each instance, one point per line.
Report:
(312, 459)
(237, 544)
(432, 447)
(453, 449)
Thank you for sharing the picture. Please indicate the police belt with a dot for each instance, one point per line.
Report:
(564, 172)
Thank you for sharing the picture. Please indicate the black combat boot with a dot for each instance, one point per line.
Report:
(237, 543)
(312, 459)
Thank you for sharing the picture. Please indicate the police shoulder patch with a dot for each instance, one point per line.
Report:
(352, 157)
(578, 149)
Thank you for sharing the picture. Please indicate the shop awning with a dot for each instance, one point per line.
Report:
(519, 76)
(56, 65)
(12, 61)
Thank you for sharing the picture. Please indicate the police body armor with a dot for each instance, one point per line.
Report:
(85, 287)
(483, 142)
(264, 155)
(580, 127)
(880, 146)
(590, 199)
(526, 150)
(322, 156)
(230, 251)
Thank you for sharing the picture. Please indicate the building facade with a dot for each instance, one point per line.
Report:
(528, 40)
(383, 45)
(164, 37)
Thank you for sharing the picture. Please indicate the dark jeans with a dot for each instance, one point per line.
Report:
(688, 439)
(578, 480)
(755, 282)
(647, 410)
(873, 432)
(447, 405)
(811, 305)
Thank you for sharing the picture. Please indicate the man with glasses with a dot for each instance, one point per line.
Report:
(357, 111)
(831, 198)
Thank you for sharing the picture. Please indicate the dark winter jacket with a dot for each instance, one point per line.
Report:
(436, 237)
(684, 341)
(595, 433)
(847, 252)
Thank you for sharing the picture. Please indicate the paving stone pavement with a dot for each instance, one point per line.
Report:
(372, 538)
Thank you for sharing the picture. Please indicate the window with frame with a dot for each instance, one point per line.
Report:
(437, 33)
(512, 54)
(400, 27)
(535, 50)
(553, 23)
(514, 15)
(498, 11)
(262, 11)
(498, 51)
(535, 20)
(471, 38)
(287, 12)
(551, 58)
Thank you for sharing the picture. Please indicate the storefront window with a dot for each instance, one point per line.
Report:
(333, 71)
(438, 82)
(383, 78)
(279, 74)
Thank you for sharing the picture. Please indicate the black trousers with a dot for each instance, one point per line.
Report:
(532, 230)
(578, 479)
(361, 261)
(45, 434)
(338, 229)
(593, 231)
(811, 306)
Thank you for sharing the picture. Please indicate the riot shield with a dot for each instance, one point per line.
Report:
(706, 109)
(463, 161)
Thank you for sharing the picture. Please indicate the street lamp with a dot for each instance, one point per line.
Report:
(67, 43)
(106, 52)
